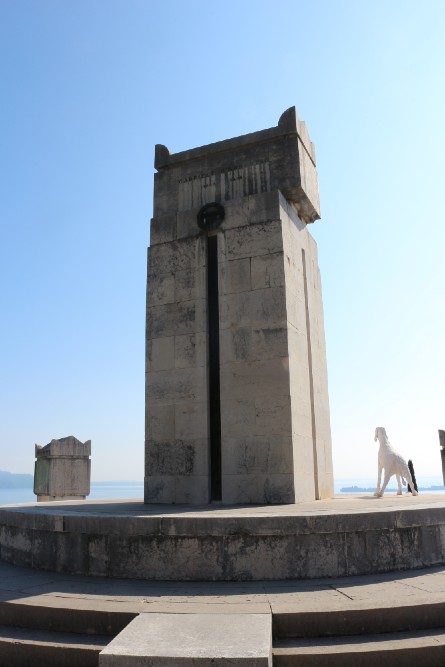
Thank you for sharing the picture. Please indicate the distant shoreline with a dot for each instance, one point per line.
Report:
(12, 480)
(360, 489)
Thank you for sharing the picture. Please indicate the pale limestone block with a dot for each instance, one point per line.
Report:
(267, 271)
(254, 240)
(170, 319)
(268, 306)
(191, 350)
(292, 223)
(325, 485)
(191, 284)
(237, 214)
(177, 256)
(234, 276)
(176, 318)
(160, 289)
(235, 344)
(160, 422)
(191, 420)
(304, 485)
(296, 310)
(240, 489)
(273, 415)
(159, 489)
(277, 454)
(265, 206)
(192, 490)
(177, 385)
(189, 640)
(275, 489)
(185, 285)
(303, 454)
(253, 209)
(247, 344)
(237, 418)
(255, 378)
(179, 457)
(261, 307)
(186, 224)
(163, 229)
(235, 310)
(308, 175)
(254, 455)
(161, 354)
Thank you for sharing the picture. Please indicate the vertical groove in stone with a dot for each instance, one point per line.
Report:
(214, 378)
(311, 377)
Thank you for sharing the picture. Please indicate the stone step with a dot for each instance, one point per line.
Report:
(22, 647)
(88, 617)
(192, 640)
(381, 617)
(400, 648)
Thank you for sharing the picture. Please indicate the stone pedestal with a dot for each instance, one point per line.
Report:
(237, 404)
(62, 470)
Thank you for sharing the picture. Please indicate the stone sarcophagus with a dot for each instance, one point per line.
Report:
(62, 470)
(237, 405)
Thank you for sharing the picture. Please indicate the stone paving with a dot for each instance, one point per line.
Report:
(48, 589)
(340, 504)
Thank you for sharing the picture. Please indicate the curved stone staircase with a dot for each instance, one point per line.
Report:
(398, 619)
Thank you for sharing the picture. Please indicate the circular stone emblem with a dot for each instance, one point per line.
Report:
(210, 217)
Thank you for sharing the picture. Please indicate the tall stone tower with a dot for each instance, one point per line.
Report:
(237, 406)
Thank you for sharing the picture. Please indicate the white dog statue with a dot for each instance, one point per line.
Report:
(393, 463)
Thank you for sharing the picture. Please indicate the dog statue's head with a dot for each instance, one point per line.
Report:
(379, 431)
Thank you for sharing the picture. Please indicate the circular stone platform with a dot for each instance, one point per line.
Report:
(349, 535)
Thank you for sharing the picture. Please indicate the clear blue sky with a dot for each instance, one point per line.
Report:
(88, 88)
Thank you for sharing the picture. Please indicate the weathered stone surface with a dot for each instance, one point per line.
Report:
(187, 640)
(281, 157)
(62, 469)
(340, 537)
(275, 431)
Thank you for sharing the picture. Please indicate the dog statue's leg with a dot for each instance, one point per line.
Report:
(410, 482)
(379, 479)
(385, 483)
(399, 485)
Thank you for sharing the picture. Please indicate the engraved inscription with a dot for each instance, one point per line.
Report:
(234, 183)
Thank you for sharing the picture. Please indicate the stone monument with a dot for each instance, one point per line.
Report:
(62, 470)
(237, 406)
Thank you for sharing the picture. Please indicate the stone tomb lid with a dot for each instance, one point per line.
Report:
(69, 446)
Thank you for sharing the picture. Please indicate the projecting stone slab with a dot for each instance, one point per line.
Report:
(186, 640)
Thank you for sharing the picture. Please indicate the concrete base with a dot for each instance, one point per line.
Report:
(341, 537)
(186, 640)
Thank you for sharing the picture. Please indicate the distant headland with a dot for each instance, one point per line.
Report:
(10, 480)
(369, 489)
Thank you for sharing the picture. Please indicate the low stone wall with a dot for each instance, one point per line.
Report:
(232, 544)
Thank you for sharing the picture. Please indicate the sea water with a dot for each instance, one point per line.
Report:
(99, 490)
(113, 490)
